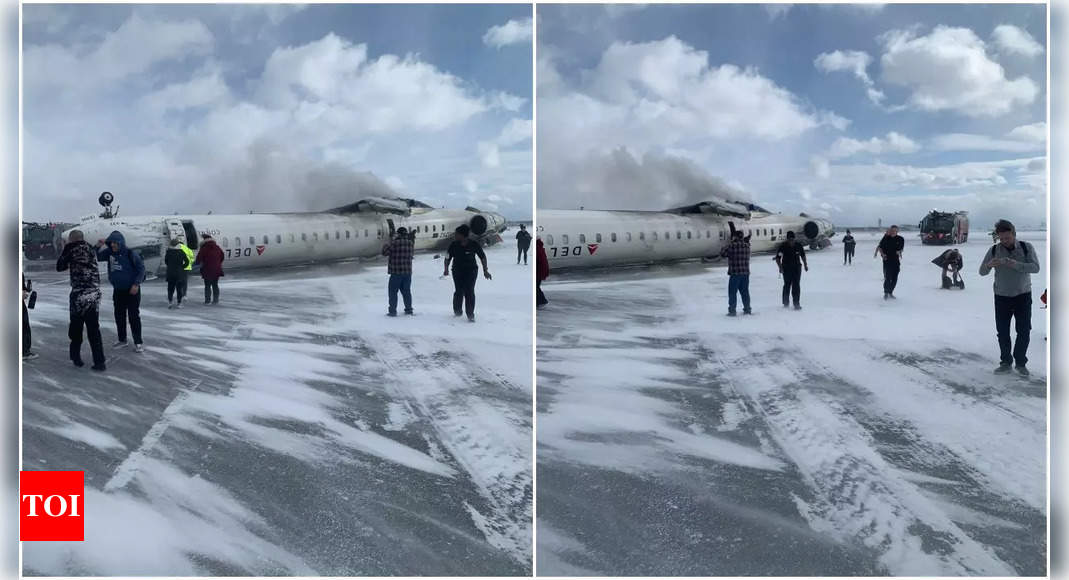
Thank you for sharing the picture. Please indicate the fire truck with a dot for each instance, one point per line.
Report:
(41, 241)
(943, 227)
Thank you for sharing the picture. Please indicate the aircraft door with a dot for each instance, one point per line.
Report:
(191, 234)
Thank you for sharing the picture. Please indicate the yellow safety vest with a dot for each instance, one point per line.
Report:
(189, 255)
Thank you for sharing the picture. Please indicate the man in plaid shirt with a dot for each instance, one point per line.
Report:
(738, 255)
(399, 267)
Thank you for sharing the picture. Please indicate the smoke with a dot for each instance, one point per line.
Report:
(272, 178)
(620, 180)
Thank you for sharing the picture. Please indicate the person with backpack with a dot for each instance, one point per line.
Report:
(790, 257)
(78, 257)
(848, 248)
(176, 261)
(523, 243)
(1014, 261)
(461, 254)
(126, 272)
(210, 258)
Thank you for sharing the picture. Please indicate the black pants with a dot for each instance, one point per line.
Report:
(890, 276)
(127, 306)
(1018, 308)
(464, 293)
(522, 251)
(178, 284)
(541, 299)
(848, 254)
(90, 319)
(211, 291)
(792, 284)
(27, 341)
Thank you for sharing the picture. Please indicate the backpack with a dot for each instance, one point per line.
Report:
(1024, 249)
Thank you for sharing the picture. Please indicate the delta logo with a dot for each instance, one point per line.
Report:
(260, 250)
(51, 506)
(592, 248)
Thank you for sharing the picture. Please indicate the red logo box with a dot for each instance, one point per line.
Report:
(52, 506)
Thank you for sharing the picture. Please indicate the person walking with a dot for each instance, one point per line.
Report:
(176, 261)
(183, 285)
(891, 247)
(542, 272)
(848, 248)
(126, 272)
(79, 258)
(461, 255)
(1014, 261)
(790, 257)
(738, 254)
(399, 267)
(27, 333)
(523, 243)
(210, 258)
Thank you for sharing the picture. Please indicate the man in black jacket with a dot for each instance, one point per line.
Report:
(177, 261)
(790, 257)
(80, 258)
(890, 248)
(523, 243)
(461, 254)
(848, 248)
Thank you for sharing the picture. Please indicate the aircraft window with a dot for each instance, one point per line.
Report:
(278, 238)
(707, 234)
(326, 235)
(766, 232)
(597, 238)
(612, 236)
(265, 240)
(781, 231)
(293, 238)
(564, 239)
(628, 234)
(688, 235)
(582, 238)
(226, 242)
(426, 229)
(679, 235)
(366, 234)
(304, 237)
(237, 242)
(668, 235)
(347, 234)
(655, 236)
(642, 235)
(749, 233)
(721, 234)
(315, 236)
(549, 239)
(337, 235)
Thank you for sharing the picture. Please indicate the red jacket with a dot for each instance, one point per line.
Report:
(210, 258)
(542, 261)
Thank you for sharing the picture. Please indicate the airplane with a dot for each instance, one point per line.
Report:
(356, 230)
(591, 239)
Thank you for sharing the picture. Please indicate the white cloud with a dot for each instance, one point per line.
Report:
(1012, 40)
(395, 182)
(854, 61)
(511, 32)
(805, 193)
(893, 143)
(949, 70)
(1023, 139)
(506, 101)
(207, 87)
(515, 132)
(776, 11)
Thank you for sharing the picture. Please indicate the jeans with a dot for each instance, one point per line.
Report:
(402, 282)
(127, 306)
(890, 275)
(521, 251)
(848, 254)
(792, 285)
(1018, 308)
(464, 291)
(90, 319)
(211, 291)
(739, 283)
(178, 284)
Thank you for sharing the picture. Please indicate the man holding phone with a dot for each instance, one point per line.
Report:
(1014, 262)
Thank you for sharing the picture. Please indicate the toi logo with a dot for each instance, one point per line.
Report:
(51, 506)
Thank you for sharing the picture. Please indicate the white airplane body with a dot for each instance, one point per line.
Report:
(358, 230)
(591, 239)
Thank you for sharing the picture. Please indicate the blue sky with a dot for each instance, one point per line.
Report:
(227, 108)
(856, 112)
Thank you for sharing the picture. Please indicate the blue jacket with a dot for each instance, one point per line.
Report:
(125, 267)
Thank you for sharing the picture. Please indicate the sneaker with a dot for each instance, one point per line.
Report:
(471, 318)
(29, 355)
(797, 306)
(409, 312)
(731, 313)
(78, 362)
(99, 367)
(1002, 369)
(207, 302)
(170, 306)
(178, 306)
(747, 311)
(120, 344)
(1022, 370)
(139, 348)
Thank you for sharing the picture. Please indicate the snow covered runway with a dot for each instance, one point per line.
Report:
(854, 437)
(294, 429)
